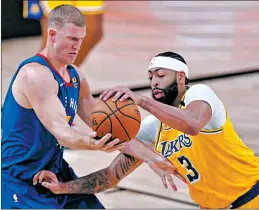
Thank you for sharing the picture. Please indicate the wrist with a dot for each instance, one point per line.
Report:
(143, 102)
(149, 156)
(64, 188)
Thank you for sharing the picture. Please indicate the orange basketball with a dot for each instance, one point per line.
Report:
(121, 119)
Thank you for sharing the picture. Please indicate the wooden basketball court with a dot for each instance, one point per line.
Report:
(214, 37)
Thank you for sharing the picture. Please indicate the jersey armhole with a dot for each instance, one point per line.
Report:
(158, 134)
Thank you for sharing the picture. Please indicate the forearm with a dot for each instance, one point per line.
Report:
(85, 109)
(73, 138)
(139, 150)
(122, 166)
(174, 117)
(90, 184)
(85, 117)
(104, 179)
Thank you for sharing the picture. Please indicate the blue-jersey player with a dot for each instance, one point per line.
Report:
(43, 97)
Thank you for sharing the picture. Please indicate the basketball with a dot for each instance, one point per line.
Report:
(121, 119)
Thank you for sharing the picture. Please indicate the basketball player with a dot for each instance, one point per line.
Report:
(191, 128)
(43, 98)
(93, 14)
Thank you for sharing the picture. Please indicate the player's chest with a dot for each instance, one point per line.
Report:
(172, 143)
(69, 97)
(182, 151)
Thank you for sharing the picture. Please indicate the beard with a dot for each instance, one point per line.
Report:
(170, 94)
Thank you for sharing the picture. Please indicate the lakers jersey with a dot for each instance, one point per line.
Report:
(35, 9)
(217, 165)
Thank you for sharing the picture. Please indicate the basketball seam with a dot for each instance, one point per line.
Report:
(119, 109)
(108, 116)
(117, 119)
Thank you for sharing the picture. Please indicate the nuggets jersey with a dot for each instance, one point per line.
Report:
(217, 165)
(27, 146)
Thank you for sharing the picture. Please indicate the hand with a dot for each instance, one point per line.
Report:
(165, 169)
(49, 180)
(119, 91)
(101, 143)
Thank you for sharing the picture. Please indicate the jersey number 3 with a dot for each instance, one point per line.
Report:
(193, 175)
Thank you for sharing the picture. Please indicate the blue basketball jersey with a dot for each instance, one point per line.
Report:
(28, 147)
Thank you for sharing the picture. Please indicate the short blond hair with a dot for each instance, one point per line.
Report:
(63, 14)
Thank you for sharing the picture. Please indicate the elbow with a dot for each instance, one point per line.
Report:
(193, 130)
(192, 127)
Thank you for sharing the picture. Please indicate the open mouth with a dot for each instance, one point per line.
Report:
(72, 53)
(158, 94)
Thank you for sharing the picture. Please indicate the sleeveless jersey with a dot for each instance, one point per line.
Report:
(217, 165)
(27, 146)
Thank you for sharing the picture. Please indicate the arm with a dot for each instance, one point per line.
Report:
(190, 120)
(85, 107)
(40, 89)
(120, 167)
(86, 100)
(109, 177)
(93, 183)
(104, 179)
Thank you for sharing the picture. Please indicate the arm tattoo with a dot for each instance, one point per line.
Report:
(90, 184)
(125, 166)
(101, 180)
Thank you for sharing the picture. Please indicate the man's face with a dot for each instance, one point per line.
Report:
(67, 42)
(160, 80)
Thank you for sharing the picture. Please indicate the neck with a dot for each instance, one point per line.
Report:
(179, 97)
(59, 66)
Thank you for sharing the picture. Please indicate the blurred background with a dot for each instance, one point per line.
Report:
(218, 39)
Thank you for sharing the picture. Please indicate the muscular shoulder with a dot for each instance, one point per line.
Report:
(35, 71)
(34, 75)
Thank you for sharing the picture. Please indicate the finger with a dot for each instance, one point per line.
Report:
(171, 182)
(43, 174)
(104, 93)
(117, 95)
(109, 94)
(179, 176)
(118, 147)
(36, 178)
(47, 185)
(125, 96)
(163, 179)
(92, 134)
(53, 178)
(111, 144)
(169, 168)
(103, 140)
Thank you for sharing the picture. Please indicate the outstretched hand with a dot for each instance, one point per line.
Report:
(165, 170)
